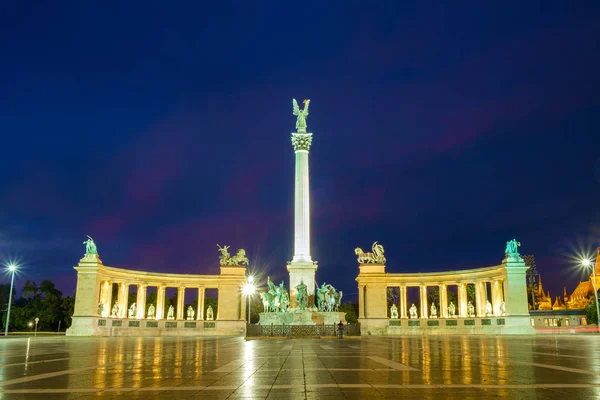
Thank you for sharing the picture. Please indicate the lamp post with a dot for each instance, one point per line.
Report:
(249, 290)
(36, 324)
(531, 275)
(587, 263)
(12, 269)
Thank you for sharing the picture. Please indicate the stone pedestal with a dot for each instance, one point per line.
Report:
(302, 318)
(302, 271)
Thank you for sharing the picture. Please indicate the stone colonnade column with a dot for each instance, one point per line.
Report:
(443, 301)
(462, 300)
(478, 308)
(423, 291)
(122, 299)
(200, 311)
(243, 311)
(361, 302)
(160, 302)
(141, 301)
(496, 299)
(180, 302)
(402, 301)
(105, 297)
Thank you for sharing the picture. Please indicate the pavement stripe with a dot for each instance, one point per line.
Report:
(316, 386)
(53, 374)
(232, 366)
(392, 364)
(325, 347)
(33, 362)
(556, 367)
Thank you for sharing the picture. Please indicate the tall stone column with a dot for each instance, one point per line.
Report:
(484, 298)
(105, 287)
(402, 301)
(302, 267)
(443, 301)
(361, 301)
(424, 311)
(122, 299)
(478, 299)
(200, 310)
(141, 301)
(462, 300)
(160, 302)
(496, 297)
(180, 302)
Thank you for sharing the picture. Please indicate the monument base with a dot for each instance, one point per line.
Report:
(302, 318)
(99, 326)
(506, 325)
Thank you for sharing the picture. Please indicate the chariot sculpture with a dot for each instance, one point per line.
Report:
(226, 259)
(374, 257)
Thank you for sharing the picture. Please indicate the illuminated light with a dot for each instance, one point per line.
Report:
(585, 262)
(250, 279)
(12, 267)
(248, 289)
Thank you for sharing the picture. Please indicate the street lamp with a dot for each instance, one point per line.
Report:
(12, 269)
(248, 289)
(587, 264)
(531, 276)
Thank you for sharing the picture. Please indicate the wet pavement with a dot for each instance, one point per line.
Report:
(444, 367)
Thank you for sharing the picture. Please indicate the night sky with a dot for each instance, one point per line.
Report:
(441, 130)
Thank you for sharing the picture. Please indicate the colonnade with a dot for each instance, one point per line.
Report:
(502, 285)
(95, 283)
(106, 292)
(481, 298)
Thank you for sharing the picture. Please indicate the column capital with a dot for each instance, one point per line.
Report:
(301, 141)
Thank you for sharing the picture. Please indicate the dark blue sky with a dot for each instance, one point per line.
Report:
(440, 130)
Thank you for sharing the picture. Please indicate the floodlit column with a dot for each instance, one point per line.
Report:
(361, 302)
(302, 268)
(462, 300)
(180, 302)
(243, 310)
(443, 301)
(122, 299)
(105, 295)
(141, 301)
(478, 299)
(484, 298)
(302, 208)
(496, 297)
(160, 302)
(402, 301)
(200, 310)
(424, 312)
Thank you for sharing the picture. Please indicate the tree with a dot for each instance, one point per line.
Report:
(4, 289)
(471, 293)
(351, 311)
(433, 295)
(44, 302)
(591, 312)
(68, 308)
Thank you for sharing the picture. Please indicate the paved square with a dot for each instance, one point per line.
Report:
(449, 367)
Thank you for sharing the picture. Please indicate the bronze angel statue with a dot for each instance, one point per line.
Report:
(301, 114)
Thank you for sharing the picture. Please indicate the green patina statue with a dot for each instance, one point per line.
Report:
(90, 246)
(276, 298)
(301, 115)
(302, 297)
(512, 250)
